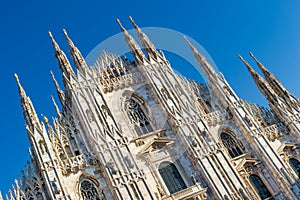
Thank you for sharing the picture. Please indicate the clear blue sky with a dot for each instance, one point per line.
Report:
(270, 29)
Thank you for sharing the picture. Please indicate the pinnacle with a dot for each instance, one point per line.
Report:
(16, 77)
(250, 69)
(132, 21)
(65, 32)
(68, 38)
(259, 64)
(193, 48)
(242, 59)
(189, 43)
(252, 56)
(54, 43)
(185, 38)
(50, 34)
(121, 26)
(21, 90)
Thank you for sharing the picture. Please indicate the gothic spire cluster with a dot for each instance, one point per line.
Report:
(76, 54)
(137, 130)
(276, 94)
(62, 59)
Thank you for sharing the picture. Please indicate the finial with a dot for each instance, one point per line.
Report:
(21, 90)
(246, 64)
(132, 21)
(252, 56)
(260, 65)
(67, 37)
(242, 59)
(189, 43)
(50, 34)
(65, 32)
(17, 78)
(54, 43)
(121, 26)
(51, 37)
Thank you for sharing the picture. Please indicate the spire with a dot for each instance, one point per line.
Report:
(76, 54)
(28, 109)
(62, 59)
(262, 85)
(275, 84)
(60, 93)
(133, 45)
(207, 69)
(55, 106)
(147, 44)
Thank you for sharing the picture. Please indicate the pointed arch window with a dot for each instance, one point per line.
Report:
(171, 177)
(259, 186)
(89, 191)
(137, 115)
(295, 164)
(231, 144)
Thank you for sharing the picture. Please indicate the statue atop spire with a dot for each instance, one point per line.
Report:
(133, 45)
(207, 69)
(28, 109)
(146, 42)
(62, 59)
(76, 54)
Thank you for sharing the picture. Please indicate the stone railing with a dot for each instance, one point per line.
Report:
(217, 116)
(275, 131)
(73, 164)
(120, 81)
(123, 178)
(295, 118)
(190, 192)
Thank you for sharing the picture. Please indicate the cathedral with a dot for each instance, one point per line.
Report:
(133, 129)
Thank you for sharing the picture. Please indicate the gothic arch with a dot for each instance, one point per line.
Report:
(295, 165)
(137, 113)
(171, 177)
(90, 189)
(259, 186)
(231, 143)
